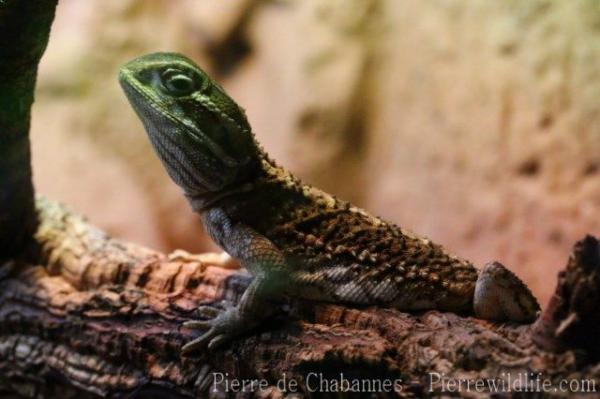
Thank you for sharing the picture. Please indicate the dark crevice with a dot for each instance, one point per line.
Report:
(529, 168)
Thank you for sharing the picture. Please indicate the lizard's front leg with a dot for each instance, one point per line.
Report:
(256, 305)
(264, 260)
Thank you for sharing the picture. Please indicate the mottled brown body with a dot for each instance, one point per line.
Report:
(339, 252)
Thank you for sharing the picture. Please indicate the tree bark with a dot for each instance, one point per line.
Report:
(84, 315)
(104, 318)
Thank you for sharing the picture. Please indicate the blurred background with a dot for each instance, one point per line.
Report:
(474, 123)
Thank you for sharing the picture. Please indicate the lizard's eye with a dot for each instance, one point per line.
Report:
(178, 83)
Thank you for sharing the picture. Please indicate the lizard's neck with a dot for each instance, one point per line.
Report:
(251, 174)
(267, 171)
(202, 202)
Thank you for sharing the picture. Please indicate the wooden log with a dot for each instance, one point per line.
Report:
(572, 318)
(105, 318)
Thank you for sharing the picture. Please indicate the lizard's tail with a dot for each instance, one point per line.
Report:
(501, 295)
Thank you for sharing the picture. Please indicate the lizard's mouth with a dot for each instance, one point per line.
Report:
(192, 159)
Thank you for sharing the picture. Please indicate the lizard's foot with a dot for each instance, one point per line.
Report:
(501, 295)
(222, 326)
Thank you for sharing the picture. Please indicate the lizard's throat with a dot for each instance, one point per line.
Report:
(201, 202)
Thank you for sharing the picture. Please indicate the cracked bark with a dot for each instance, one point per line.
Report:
(103, 317)
(82, 314)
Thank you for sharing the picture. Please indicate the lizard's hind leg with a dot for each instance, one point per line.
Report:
(501, 295)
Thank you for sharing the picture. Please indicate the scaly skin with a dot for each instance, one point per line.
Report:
(296, 240)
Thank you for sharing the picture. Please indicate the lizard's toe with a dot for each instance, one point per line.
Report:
(221, 328)
(218, 341)
(199, 342)
(204, 341)
(208, 312)
(212, 339)
(204, 379)
(197, 324)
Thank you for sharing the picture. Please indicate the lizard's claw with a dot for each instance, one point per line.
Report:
(210, 312)
(197, 324)
(204, 379)
(210, 336)
(223, 326)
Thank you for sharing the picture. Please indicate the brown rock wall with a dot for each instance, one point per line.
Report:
(475, 123)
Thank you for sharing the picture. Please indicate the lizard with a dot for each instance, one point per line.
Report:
(296, 240)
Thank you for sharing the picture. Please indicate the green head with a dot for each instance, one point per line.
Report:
(200, 134)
